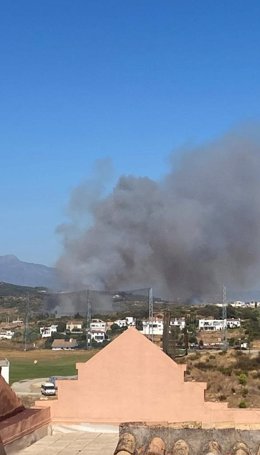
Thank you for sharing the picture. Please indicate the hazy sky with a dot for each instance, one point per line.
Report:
(132, 80)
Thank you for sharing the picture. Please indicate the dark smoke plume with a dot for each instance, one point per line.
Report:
(185, 236)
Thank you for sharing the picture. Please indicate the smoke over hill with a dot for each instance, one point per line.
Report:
(185, 235)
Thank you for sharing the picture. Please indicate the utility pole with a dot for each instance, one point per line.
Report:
(224, 317)
(166, 325)
(88, 333)
(26, 323)
(174, 342)
(186, 337)
(150, 304)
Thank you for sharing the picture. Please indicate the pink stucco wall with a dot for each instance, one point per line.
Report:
(133, 380)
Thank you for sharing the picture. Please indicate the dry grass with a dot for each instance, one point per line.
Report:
(221, 372)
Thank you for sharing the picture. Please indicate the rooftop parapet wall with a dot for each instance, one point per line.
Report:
(188, 439)
(133, 380)
(10, 404)
(24, 423)
(19, 426)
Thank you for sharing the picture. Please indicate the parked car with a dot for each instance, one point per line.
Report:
(48, 389)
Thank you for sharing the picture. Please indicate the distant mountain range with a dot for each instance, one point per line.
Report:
(12, 270)
(21, 273)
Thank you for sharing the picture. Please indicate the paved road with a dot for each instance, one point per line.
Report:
(75, 443)
(33, 386)
(29, 386)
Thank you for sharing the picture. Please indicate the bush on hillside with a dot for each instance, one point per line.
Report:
(242, 404)
(242, 378)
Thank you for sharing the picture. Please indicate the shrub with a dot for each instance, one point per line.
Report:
(256, 374)
(227, 371)
(244, 392)
(242, 404)
(204, 366)
(193, 339)
(242, 378)
(244, 362)
(195, 356)
(116, 329)
(231, 341)
(239, 353)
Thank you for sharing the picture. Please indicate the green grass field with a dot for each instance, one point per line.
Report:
(49, 363)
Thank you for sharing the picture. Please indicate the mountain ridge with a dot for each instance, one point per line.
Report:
(15, 271)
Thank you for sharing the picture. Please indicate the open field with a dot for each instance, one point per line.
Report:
(49, 363)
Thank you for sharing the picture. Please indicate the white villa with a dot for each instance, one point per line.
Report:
(218, 324)
(47, 332)
(152, 328)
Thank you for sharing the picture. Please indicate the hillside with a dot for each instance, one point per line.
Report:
(8, 289)
(12, 270)
(231, 376)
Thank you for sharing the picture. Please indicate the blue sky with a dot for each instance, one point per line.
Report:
(132, 80)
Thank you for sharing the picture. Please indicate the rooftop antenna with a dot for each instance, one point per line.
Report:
(224, 317)
(150, 303)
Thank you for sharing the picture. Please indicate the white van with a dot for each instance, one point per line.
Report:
(48, 389)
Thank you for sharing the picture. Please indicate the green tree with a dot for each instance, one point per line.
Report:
(61, 326)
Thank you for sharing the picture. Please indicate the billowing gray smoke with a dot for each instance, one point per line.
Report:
(185, 236)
